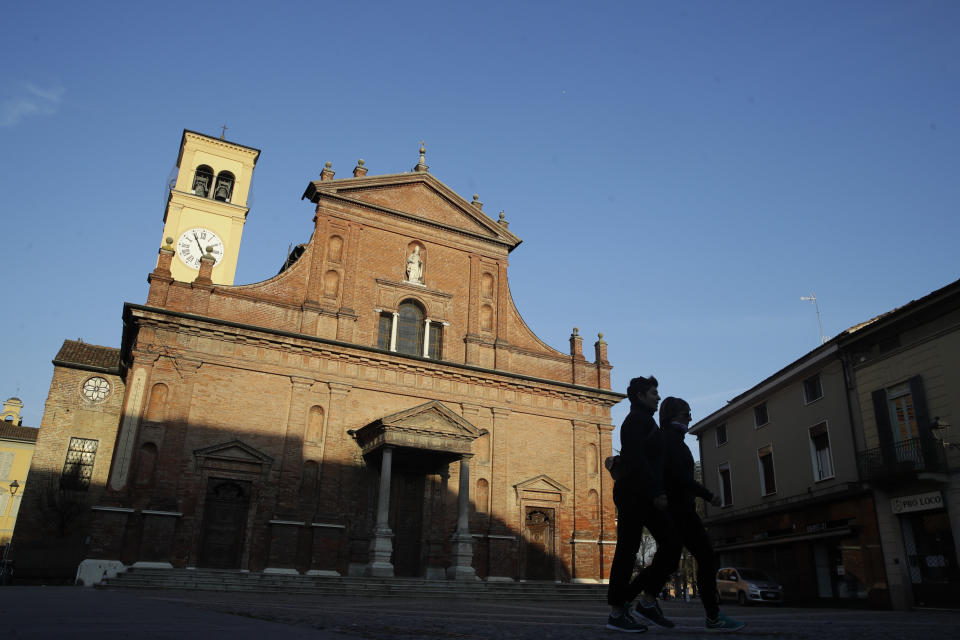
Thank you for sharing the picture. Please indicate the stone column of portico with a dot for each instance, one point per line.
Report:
(381, 547)
(462, 567)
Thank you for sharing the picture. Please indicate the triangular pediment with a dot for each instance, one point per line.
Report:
(434, 417)
(542, 482)
(234, 450)
(426, 427)
(418, 196)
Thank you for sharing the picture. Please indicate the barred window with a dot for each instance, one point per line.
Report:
(78, 468)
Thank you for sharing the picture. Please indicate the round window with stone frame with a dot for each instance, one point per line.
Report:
(95, 389)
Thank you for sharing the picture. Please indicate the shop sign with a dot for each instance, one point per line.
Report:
(918, 502)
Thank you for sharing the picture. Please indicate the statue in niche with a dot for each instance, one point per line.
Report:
(415, 267)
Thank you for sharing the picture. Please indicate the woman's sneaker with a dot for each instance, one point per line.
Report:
(623, 621)
(723, 623)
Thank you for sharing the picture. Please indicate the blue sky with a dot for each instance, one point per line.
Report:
(681, 173)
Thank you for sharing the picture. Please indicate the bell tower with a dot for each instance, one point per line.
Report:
(207, 205)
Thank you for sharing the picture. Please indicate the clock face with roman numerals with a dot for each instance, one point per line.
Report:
(193, 244)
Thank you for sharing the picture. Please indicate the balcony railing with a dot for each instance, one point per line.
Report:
(904, 458)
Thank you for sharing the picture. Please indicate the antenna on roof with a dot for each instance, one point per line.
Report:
(813, 298)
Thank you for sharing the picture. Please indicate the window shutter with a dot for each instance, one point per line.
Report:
(882, 415)
(920, 406)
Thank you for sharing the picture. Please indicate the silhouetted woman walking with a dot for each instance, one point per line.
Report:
(682, 489)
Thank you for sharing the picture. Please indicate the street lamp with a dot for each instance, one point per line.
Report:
(4, 565)
(940, 430)
(813, 298)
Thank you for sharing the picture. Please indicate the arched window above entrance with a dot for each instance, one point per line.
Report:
(410, 328)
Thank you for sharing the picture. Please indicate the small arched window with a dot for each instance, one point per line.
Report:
(224, 187)
(202, 181)
(410, 328)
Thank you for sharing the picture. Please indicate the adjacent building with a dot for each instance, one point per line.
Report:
(783, 457)
(905, 367)
(378, 407)
(16, 449)
(837, 472)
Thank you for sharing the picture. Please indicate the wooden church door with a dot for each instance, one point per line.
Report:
(538, 543)
(224, 523)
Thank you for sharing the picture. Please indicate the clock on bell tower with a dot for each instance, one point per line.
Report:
(207, 205)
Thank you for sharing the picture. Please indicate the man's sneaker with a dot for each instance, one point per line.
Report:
(653, 613)
(623, 621)
(723, 623)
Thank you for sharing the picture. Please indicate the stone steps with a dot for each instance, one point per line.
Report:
(215, 580)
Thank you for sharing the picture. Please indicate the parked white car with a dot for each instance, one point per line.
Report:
(747, 586)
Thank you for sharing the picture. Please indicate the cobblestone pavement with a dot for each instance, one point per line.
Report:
(73, 612)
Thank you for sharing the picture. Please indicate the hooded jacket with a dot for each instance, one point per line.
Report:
(679, 470)
(641, 454)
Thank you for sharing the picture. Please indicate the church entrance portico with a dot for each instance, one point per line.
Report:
(406, 447)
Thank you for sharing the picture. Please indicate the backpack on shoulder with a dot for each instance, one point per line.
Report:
(615, 466)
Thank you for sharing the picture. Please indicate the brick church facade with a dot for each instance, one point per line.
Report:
(379, 407)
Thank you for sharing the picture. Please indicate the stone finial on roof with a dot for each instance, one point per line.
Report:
(327, 173)
(359, 171)
(476, 201)
(503, 220)
(576, 344)
(422, 163)
(600, 351)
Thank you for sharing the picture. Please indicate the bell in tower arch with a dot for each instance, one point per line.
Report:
(224, 188)
(202, 180)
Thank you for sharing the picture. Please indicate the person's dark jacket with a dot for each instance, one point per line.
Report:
(679, 479)
(641, 454)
